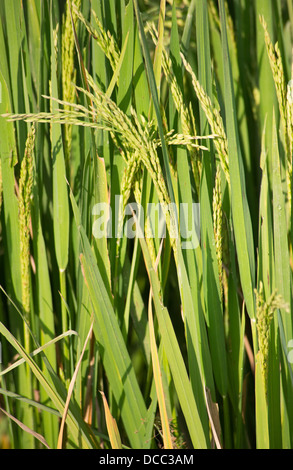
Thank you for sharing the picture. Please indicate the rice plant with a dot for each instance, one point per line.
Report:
(146, 224)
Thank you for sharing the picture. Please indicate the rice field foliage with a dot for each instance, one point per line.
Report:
(117, 331)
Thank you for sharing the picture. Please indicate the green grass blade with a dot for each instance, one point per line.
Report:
(266, 242)
(197, 341)
(212, 292)
(267, 276)
(8, 153)
(262, 429)
(157, 67)
(30, 402)
(268, 99)
(158, 382)
(140, 83)
(60, 190)
(282, 267)
(113, 431)
(77, 427)
(282, 273)
(175, 360)
(240, 209)
(274, 388)
(70, 390)
(188, 27)
(184, 286)
(124, 96)
(37, 351)
(153, 88)
(26, 429)
(16, 29)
